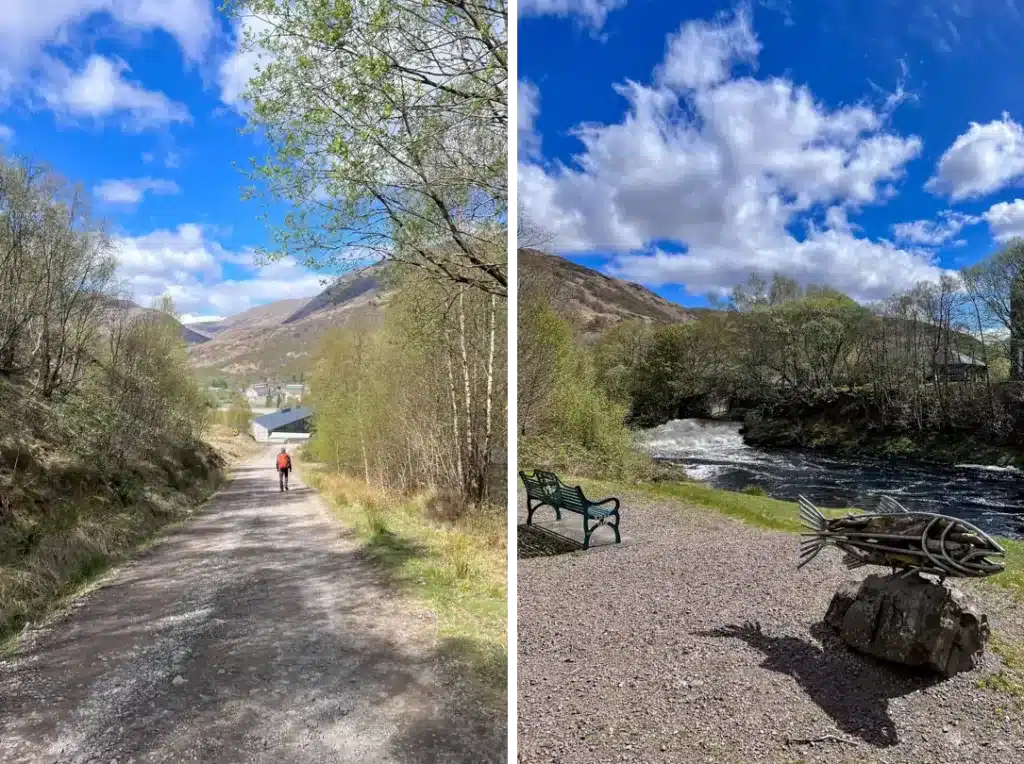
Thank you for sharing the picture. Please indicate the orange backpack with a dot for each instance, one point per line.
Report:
(284, 461)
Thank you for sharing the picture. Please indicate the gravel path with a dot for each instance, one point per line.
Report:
(647, 652)
(256, 633)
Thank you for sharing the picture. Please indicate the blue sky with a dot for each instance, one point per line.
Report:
(679, 144)
(138, 100)
(867, 144)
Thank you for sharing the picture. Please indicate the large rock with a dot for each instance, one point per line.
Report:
(910, 620)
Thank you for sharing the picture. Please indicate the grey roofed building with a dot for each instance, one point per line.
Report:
(954, 366)
(287, 424)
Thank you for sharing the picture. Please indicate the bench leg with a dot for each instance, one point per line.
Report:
(618, 538)
(529, 512)
(586, 533)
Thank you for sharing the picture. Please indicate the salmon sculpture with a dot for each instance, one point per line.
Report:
(917, 542)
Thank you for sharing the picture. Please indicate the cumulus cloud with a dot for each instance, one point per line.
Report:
(703, 53)
(35, 35)
(982, 160)
(6, 134)
(933, 233)
(242, 62)
(100, 90)
(527, 109)
(202, 277)
(593, 13)
(27, 26)
(744, 174)
(1006, 219)
(129, 191)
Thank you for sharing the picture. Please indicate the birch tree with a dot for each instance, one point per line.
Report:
(387, 122)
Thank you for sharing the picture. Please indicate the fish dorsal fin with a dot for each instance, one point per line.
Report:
(887, 505)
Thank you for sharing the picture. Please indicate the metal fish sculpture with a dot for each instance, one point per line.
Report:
(917, 542)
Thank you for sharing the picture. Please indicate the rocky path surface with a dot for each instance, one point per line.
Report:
(698, 641)
(256, 633)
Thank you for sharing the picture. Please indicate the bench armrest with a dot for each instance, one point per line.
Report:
(605, 501)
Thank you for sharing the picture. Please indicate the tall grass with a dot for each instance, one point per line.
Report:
(457, 569)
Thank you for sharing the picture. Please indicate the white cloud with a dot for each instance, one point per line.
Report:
(731, 169)
(1006, 219)
(242, 62)
(28, 26)
(130, 191)
(6, 134)
(202, 277)
(933, 233)
(196, 320)
(99, 90)
(702, 54)
(591, 12)
(984, 159)
(527, 109)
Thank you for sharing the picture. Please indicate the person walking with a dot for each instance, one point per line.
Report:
(284, 466)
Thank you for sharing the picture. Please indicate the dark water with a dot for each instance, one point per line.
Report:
(714, 453)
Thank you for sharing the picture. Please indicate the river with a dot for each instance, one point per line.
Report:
(714, 453)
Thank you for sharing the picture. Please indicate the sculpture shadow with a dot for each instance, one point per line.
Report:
(854, 690)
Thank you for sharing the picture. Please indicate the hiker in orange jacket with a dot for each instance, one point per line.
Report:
(284, 466)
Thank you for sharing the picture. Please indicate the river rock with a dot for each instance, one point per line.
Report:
(911, 620)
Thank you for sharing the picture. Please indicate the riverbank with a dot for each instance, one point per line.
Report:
(709, 648)
(773, 514)
(849, 437)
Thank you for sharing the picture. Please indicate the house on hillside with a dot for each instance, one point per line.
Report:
(284, 425)
(294, 391)
(258, 393)
(953, 366)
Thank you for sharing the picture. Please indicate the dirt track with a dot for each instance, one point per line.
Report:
(256, 633)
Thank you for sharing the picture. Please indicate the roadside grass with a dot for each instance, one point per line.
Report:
(457, 569)
(64, 527)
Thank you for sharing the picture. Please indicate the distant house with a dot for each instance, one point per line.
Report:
(285, 425)
(294, 391)
(952, 366)
(258, 392)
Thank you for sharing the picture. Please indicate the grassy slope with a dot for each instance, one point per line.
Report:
(778, 515)
(65, 528)
(458, 570)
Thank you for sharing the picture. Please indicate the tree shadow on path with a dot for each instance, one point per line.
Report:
(852, 689)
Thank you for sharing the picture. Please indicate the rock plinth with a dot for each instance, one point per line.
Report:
(911, 620)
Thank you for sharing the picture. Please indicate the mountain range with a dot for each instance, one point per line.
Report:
(279, 339)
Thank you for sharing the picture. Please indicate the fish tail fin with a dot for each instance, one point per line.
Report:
(816, 523)
(853, 562)
(811, 516)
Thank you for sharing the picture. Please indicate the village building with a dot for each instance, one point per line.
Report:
(290, 424)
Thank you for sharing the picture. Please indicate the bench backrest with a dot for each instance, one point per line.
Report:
(542, 486)
(545, 486)
(571, 498)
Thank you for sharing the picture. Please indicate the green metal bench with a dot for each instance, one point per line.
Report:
(545, 489)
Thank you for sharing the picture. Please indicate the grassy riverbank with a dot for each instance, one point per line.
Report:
(773, 514)
(457, 569)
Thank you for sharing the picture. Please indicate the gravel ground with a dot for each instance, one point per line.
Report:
(699, 642)
(256, 633)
